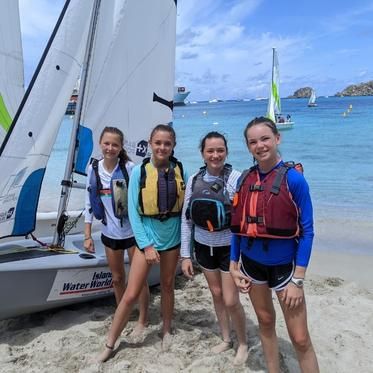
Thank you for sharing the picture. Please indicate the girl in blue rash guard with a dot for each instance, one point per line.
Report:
(158, 237)
(267, 262)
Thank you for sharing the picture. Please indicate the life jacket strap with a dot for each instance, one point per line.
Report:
(255, 219)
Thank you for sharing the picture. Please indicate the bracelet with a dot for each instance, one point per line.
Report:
(88, 238)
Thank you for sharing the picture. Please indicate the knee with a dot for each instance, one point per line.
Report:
(130, 297)
(266, 320)
(301, 341)
(216, 293)
(168, 286)
(118, 280)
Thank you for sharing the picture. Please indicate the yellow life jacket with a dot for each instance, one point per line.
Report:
(161, 191)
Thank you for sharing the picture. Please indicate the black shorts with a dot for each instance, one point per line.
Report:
(276, 276)
(212, 258)
(115, 244)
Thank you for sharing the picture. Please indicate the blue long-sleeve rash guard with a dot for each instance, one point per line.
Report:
(282, 251)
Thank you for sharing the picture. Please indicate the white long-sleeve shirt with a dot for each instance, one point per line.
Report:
(113, 228)
(219, 238)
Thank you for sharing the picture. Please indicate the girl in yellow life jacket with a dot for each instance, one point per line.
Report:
(155, 196)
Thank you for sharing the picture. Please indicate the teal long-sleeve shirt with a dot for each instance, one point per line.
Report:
(162, 235)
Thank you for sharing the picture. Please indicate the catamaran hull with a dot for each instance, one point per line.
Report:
(32, 279)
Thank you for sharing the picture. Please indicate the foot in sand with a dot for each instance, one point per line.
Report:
(166, 342)
(241, 356)
(138, 334)
(106, 354)
(221, 347)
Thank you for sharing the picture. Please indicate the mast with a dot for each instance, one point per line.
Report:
(66, 182)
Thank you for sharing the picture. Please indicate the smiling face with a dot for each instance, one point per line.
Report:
(111, 145)
(162, 144)
(214, 154)
(262, 144)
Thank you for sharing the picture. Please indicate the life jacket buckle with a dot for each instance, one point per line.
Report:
(255, 219)
(256, 188)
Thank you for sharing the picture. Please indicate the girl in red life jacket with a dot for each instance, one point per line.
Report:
(117, 234)
(274, 247)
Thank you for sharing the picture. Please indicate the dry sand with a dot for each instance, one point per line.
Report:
(67, 340)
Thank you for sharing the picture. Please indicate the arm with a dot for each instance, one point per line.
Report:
(186, 234)
(242, 282)
(293, 296)
(135, 218)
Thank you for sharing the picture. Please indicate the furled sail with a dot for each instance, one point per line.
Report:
(30, 138)
(131, 75)
(11, 64)
(274, 101)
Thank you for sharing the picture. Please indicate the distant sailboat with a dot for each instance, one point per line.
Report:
(312, 100)
(274, 100)
(11, 64)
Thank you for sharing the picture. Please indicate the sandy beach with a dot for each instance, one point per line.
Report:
(68, 340)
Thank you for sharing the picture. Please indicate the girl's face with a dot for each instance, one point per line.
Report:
(162, 144)
(110, 145)
(262, 144)
(214, 154)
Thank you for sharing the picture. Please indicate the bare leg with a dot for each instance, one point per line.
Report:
(143, 303)
(261, 298)
(136, 280)
(116, 264)
(237, 315)
(168, 264)
(296, 322)
(214, 282)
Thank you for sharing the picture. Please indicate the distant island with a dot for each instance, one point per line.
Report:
(362, 89)
(301, 93)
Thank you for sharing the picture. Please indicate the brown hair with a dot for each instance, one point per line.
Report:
(213, 135)
(261, 120)
(165, 128)
(123, 156)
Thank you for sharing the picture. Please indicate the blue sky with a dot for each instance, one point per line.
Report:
(224, 47)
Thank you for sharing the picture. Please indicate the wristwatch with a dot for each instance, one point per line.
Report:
(299, 282)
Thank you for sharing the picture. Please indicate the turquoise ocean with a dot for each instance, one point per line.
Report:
(335, 150)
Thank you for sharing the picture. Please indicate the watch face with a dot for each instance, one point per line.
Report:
(297, 281)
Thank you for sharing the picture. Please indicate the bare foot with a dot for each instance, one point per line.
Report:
(166, 342)
(106, 354)
(221, 347)
(241, 356)
(138, 334)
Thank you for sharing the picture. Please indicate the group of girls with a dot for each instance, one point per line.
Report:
(249, 233)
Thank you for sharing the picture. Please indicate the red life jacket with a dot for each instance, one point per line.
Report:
(265, 208)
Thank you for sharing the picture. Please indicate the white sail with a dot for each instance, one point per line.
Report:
(11, 64)
(274, 101)
(25, 152)
(131, 75)
(312, 100)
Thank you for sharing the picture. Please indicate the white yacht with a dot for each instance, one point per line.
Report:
(180, 94)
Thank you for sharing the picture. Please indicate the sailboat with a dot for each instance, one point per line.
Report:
(274, 100)
(125, 57)
(11, 64)
(312, 100)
